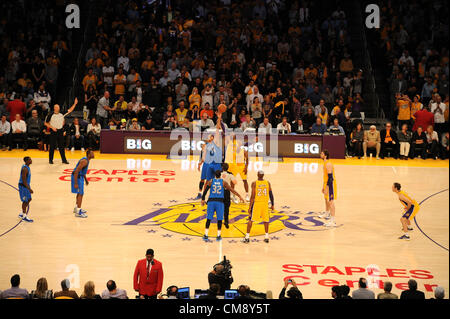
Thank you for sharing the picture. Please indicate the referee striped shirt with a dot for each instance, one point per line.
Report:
(55, 120)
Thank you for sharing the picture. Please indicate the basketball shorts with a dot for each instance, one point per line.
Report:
(237, 169)
(80, 189)
(215, 207)
(24, 193)
(332, 194)
(260, 212)
(212, 168)
(204, 171)
(412, 211)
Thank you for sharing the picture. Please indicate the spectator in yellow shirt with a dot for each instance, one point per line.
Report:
(90, 79)
(24, 80)
(311, 72)
(346, 64)
(404, 109)
(194, 99)
(119, 81)
(181, 113)
(121, 104)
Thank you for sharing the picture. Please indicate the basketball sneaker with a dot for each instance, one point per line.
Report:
(81, 214)
(324, 215)
(246, 240)
(235, 199)
(266, 240)
(247, 198)
(219, 238)
(404, 237)
(27, 219)
(199, 196)
(330, 224)
(226, 225)
(21, 215)
(205, 238)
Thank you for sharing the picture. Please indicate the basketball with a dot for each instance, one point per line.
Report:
(222, 108)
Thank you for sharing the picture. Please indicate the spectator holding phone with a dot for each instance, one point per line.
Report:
(292, 293)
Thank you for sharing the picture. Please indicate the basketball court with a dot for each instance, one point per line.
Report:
(135, 202)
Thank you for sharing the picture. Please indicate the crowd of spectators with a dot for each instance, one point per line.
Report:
(274, 64)
(400, 144)
(35, 48)
(414, 37)
(277, 66)
(16, 132)
(111, 291)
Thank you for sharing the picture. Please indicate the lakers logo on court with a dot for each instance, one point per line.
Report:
(189, 219)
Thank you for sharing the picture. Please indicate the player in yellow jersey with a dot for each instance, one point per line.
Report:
(411, 208)
(329, 189)
(258, 209)
(236, 155)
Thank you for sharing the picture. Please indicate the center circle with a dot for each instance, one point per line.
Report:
(190, 218)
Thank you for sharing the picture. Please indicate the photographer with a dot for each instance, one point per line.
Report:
(222, 277)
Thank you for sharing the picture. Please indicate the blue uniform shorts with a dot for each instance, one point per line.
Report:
(212, 168)
(215, 207)
(24, 193)
(204, 171)
(80, 189)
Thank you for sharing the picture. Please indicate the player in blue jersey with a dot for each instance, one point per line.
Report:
(216, 202)
(211, 156)
(77, 180)
(204, 168)
(25, 190)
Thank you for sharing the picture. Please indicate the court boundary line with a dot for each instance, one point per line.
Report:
(415, 221)
(28, 209)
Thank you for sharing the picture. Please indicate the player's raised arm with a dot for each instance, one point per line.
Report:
(218, 128)
(75, 102)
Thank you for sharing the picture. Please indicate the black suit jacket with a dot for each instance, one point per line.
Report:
(72, 129)
(412, 294)
(393, 135)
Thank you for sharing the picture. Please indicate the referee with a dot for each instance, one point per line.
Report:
(55, 122)
(231, 180)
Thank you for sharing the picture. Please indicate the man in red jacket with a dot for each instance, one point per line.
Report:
(16, 107)
(148, 276)
(424, 118)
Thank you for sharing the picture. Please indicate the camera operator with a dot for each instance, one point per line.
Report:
(219, 276)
